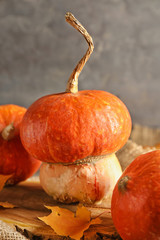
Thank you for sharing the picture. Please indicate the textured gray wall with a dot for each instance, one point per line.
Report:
(38, 51)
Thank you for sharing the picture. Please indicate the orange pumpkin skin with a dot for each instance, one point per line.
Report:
(136, 207)
(66, 127)
(13, 157)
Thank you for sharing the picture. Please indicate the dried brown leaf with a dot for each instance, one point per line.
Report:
(6, 205)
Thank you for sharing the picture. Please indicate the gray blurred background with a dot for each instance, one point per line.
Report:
(39, 50)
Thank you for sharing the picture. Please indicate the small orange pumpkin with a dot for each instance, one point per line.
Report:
(69, 126)
(14, 159)
(136, 199)
(76, 126)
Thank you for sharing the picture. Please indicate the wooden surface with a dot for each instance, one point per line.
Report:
(30, 199)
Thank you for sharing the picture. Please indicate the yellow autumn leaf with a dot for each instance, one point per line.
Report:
(66, 223)
(6, 205)
(3, 180)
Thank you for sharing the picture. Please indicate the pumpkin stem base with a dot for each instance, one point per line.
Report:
(8, 132)
(122, 184)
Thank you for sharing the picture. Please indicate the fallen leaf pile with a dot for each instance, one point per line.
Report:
(66, 223)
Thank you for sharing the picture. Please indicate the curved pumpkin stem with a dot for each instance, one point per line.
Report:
(72, 85)
(8, 132)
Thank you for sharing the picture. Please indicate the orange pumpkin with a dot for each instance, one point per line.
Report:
(75, 125)
(14, 159)
(136, 199)
(67, 127)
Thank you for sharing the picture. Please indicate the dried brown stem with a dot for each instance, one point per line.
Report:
(8, 132)
(72, 85)
(122, 184)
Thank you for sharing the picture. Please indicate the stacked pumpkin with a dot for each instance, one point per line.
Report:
(76, 134)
